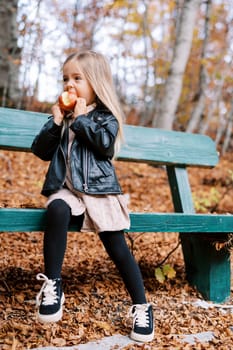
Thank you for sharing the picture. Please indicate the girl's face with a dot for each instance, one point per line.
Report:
(75, 81)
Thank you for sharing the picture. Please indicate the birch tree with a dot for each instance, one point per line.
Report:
(213, 108)
(203, 76)
(173, 85)
(229, 130)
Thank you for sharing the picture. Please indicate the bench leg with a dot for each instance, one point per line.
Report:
(206, 268)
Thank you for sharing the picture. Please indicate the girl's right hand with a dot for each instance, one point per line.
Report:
(58, 114)
(80, 107)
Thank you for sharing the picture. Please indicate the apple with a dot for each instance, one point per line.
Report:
(67, 101)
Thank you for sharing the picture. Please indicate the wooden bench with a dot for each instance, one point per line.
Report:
(206, 268)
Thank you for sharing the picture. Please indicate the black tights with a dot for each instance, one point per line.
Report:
(55, 239)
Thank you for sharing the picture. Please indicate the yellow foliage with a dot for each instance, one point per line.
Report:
(169, 271)
(159, 275)
(166, 271)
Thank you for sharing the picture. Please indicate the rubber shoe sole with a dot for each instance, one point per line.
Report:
(53, 317)
(142, 337)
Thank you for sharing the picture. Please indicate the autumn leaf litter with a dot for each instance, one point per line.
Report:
(97, 304)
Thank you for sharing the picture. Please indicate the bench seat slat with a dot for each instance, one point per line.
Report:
(14, 220)
(166, 147)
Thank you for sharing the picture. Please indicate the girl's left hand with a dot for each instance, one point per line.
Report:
(58, 114)
(80, 107)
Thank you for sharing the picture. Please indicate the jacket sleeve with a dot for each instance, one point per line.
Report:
(97, 133)
(47, 141)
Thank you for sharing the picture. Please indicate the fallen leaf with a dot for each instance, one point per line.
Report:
(58, 341)
(159, 275)
(169, 271)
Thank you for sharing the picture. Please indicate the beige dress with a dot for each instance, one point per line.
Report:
(102, 212)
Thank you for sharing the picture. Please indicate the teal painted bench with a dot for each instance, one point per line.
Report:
(206, 268)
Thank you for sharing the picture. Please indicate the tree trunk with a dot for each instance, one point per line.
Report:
(221, 128)
(10, 53)
(203, 77)
(229, 129)
(182, 49)
(213, 108)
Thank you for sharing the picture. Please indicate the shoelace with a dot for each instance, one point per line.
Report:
(48, 290)
(140, 315)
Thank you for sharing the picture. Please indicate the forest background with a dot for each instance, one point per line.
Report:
(172, 60)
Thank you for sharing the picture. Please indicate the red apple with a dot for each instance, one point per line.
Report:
(67, 101)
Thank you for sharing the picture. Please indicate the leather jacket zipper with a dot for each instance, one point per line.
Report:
(85, 171)
(63, 153)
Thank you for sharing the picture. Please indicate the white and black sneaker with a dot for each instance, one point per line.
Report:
(50, 299)
(143, 325)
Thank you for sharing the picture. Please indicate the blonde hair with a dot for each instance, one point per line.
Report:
(97, 71)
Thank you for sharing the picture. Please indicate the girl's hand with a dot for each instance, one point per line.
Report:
(58, 114)
(80, 107)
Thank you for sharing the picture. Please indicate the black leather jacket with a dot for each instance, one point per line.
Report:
(90, 155)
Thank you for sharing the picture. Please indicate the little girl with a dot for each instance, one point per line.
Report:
(81, 185)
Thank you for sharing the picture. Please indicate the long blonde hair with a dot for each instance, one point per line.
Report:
(97, 71)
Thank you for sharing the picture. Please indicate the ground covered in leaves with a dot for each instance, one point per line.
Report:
(96, 301)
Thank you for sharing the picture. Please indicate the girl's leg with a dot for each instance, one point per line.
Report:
(118, 250)
(51, 297)
(55, 237)
(142, 313)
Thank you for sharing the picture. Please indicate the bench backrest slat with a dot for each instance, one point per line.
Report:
(18, 128)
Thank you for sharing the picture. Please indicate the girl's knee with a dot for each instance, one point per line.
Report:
(59, 208)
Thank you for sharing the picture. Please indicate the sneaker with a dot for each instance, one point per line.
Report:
(143, 329)
(50, 299)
